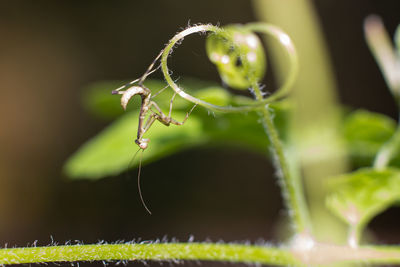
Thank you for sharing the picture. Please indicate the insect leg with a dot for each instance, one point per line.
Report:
(160, 116)
(150, 68)
(167, 120)
(170, 105)
(159, 91)
(152, 118)
(143, 143)
(173, 121)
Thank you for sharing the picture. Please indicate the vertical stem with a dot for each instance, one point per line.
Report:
(387, 151)
(314, 135)
(388, 61)
(354, 234)
(381, 46)
(292, 188)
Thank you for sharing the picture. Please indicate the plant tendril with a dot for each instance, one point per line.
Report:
(265, 28)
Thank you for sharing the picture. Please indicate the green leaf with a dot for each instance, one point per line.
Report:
(359, 196)
(110, 152)
(365, 133)
(215, 95)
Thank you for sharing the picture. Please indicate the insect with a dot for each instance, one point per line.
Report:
(148, 109)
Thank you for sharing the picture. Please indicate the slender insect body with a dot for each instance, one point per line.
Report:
(140, 141)
(148, 109)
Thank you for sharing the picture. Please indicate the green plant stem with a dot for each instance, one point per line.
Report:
(292, 188)
(387, 151)
(385, 55)
(388, 61)
(315, 118)
(353, 237)
(321, 254)
(172, 251)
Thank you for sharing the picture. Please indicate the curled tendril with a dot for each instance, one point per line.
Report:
(264, 28)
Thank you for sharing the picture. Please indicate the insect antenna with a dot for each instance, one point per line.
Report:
(138, 184)
(138, 177)
(132, 159)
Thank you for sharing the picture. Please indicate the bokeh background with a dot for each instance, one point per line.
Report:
(50, 50)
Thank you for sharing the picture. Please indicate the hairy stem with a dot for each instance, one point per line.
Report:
(292, 188)
(320, 254)
(315, 118)
(172, 251)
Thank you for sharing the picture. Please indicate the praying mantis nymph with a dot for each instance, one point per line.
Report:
(134, 88)
(147, 105)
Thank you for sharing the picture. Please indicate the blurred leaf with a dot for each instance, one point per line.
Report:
(365, 132)
(359, 196)
(215, 95)
(110, 152)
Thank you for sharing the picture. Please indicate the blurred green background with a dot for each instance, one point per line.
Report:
(50, 50)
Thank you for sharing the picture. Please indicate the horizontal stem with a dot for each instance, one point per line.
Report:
(151, 251)
(319, 254)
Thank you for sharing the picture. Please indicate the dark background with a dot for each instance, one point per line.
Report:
(50, 50)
